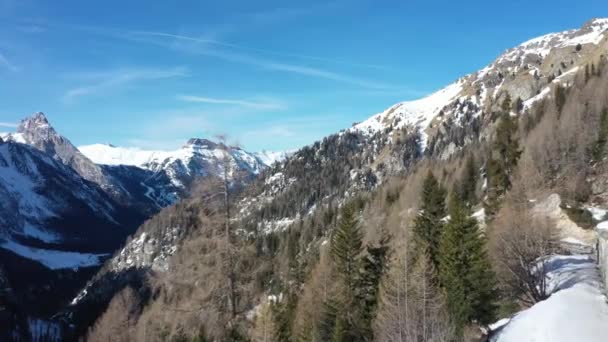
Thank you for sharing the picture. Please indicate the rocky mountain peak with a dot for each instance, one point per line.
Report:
(36, 120)
(201, 143)
(36, 127)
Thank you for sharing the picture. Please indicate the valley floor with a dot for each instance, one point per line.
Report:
(576, 311)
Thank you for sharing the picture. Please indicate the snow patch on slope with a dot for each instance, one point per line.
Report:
(54, 259)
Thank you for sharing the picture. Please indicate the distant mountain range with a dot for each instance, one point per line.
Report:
(64, 210)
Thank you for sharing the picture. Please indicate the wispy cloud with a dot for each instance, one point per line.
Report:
(252, 104)
(31, 28)
(207, 50)
(4, 62)
(240, 54)
(8, 124)
(98, 82)
(219, 43)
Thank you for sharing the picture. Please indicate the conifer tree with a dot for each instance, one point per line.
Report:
(468, 185)
(428, 223)
(373, 267)
(560, 97)
(465, 271)
(518, 105)
(501, 162)
(346, 249)
(506, 104)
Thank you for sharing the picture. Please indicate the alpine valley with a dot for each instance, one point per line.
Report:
(338, 240)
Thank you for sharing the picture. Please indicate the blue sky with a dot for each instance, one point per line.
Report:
(271, 74)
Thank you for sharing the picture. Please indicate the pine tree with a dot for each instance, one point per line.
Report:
(468, 185)
(560, 96)
(465, 271)
(501, 162)
(283, 314)
(518, 105)
(428, 224)
(373, 267)
(346, 249)
(506, 104)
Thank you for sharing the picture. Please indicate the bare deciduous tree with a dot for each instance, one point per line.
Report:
(412, 307)
(524, 244)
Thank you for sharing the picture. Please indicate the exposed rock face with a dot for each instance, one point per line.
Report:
(36, 131)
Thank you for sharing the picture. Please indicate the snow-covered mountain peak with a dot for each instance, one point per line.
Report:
(417, 114)
(526, 71)
(201, 143)
(36, 120)
(199, 157)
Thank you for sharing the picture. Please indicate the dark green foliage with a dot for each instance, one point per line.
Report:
(235, 335)
(468, 185)
(373, 267)
(506, 104)
(518, 105)
(501, 164)
(582, 217)
(560, 98)
(465, 271)
(201, 336)
(346, 247)
(428, 224)
(284, 314)
(328, 320)
(599, 149)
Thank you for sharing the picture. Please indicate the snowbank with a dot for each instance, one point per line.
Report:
(576, 311)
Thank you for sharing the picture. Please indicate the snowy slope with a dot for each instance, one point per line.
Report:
(54, 259)
(51, 215)
(531, 65)
(418, 113)
(576, 311)
(269, 158)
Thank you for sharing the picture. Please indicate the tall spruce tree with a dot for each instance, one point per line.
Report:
(501, 162)
(465, 271)
(373, 267)
(428, 224)
(346, 249)
(468, 184)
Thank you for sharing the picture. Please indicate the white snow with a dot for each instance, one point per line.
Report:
(39, 233)
(31, 204)
(418, 113)
(598, 213)
(480, 215)
(576, 311)
(271, 157)
(112, 155)
(54, 259)
(574, 241)
(603, 225)
(15, 137)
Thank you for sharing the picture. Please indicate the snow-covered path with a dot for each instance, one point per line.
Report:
(576, 311)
